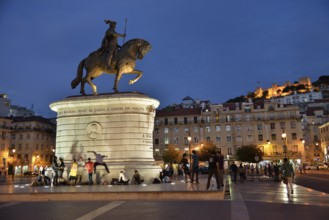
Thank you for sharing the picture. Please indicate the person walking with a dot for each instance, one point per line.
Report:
(90, 167)
(234, 171)
(195, 166)
(213, 169)
(220, 167)
(241, 173)
(186, 168)
(289, 173)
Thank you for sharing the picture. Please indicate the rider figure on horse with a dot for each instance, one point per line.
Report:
(110, 42)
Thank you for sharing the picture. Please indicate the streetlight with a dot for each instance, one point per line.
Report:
(284, 138)
(189, 138)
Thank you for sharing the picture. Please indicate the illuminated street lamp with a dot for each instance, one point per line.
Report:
(189, 138)
(284, 138)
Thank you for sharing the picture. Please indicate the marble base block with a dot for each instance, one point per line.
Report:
(118, 125)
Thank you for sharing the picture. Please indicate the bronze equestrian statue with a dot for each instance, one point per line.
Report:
(121, 61)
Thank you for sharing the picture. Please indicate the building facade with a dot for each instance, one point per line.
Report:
(31, 143)
(233, 125)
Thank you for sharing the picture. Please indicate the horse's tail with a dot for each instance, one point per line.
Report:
(78, 78)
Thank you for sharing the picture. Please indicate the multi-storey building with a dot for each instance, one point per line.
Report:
(232, 125)
(32, 143)
(5, 134)
(324, 144)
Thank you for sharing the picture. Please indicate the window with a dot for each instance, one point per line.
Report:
(186, 130)
(218, 139)
(249, 138)
(228, 139)
(229, 151)
(207, 129)
(282, 125)
(259, 127)
(175, 121)
(293, 136)
(195, 120)
(196, 129)
(196, 140)
(238, 127)
(207, 119)
(166, 130)
(176, 129)
(185, 120)
(228, 127)
(260, 137)
(166, 121)
(238, 138)
(272, 126)
(293, 124)
(156, 141)
(217, 127)
(294, 148)
(166, 140)
(28, 136)
(175, 140)
(228, 118)
(273, 137)
(208, 139)
(274, 149)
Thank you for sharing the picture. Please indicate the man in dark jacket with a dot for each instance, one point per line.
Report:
(213, 169)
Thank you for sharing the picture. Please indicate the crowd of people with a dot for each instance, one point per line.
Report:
(77, 170)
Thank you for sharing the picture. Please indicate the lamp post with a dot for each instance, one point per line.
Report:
(284, 138)
(189, 138)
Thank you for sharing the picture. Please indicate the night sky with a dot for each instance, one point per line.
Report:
(212, 49)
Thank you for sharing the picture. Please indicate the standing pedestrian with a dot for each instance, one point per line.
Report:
(195, 166)
(234, 171)
(220, 167)
(289, 173)
(175, 170)
(81, 167)
(90, 167)
(54, 166)
(61, 169)
(186, 168)
(73, 172)
(213, 169)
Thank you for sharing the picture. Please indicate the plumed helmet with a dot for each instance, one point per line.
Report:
(107, 21)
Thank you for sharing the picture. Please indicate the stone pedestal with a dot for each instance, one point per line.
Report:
(118, 125)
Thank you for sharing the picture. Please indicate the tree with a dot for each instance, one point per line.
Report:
(237, 99)
(247, 153)
(171, 154)
(265, 94)
(205, 151)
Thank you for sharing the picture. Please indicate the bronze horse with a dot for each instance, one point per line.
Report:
(123, 62)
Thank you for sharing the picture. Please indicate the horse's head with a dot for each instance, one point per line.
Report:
(144, 48)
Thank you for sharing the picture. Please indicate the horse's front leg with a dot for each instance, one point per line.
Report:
(139, 75)
(117, 79)
(82, 86)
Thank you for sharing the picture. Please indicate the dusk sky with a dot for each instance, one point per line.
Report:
(209, 50)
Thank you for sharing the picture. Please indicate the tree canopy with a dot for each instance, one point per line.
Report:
(248, 153)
